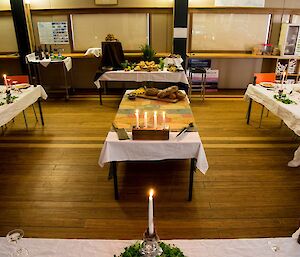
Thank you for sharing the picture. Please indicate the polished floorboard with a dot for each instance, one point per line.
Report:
(52, 187)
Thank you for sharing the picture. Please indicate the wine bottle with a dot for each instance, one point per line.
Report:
(51, 52)
(36, 54)
(46, 52)
(40, 51)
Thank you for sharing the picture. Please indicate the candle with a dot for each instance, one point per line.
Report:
(137, 118)
(283, 76)
(164, 119)
(5, 81)
(145, 120)
(155, 120)
(150, 213)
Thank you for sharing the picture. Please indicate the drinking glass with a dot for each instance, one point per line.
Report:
(14, 237)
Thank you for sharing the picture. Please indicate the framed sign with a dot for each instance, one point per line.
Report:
(53, 32)
(240, 3)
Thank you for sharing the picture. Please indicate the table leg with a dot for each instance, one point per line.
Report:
(192, 170)
(66, 81)
(25, 120)
(113, 171)
(41, 111)
(100, 93)
(249, 111)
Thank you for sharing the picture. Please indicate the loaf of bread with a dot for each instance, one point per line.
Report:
(151, 91)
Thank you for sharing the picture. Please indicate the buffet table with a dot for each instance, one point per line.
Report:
(264, 247)
(186, 146)
(141, 76)
(25, 98)
(34, 68)
(289, 113)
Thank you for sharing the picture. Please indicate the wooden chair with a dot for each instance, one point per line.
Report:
(22, 79)
(263, 77)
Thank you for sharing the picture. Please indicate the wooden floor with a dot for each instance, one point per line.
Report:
(51, 184)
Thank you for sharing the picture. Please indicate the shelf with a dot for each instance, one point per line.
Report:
(9, 56)
(127, 55)
(231, 56)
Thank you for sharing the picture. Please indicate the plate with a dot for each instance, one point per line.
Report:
(267, 84)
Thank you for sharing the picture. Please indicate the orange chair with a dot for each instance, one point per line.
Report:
(23, 79)
(264, 77)
(19, 78)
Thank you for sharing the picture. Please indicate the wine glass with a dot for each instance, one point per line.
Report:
(13, 237)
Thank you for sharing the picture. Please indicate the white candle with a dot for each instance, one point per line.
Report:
(5, 81)
(164, 119)
(145, 120)
(283, 76)
(137, 118)
(150, 213)
(155, 120)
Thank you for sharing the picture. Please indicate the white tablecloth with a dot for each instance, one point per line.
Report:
(289, 113)
(264, 247)
(96, 51)
(186, 146)
(141, 76)
(67, 61)
(26, 98)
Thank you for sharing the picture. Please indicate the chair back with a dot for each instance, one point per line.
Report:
(265, 77)
(19, 78)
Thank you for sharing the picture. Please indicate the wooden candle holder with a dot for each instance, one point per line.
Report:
(150, 134)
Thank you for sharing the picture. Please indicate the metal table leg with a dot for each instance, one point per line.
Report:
(249, 111)
(66, 80)
(41, 111)
(100, 92)
(192, 170)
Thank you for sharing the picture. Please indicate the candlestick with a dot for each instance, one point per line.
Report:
(145, 120)
(164, 119)
(155, 120)
(150, 213)
(137, 118)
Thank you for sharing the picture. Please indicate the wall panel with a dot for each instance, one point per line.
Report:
(8, 40)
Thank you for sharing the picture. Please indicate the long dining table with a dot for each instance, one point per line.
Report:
(178, 115)
(164, 76)
(288, 113)
(23, 99)
(258, 247)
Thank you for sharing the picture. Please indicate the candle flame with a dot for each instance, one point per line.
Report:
(151, 192)
(4, 75)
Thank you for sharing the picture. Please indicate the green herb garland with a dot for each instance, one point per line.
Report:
(284, 99)
(168, 251)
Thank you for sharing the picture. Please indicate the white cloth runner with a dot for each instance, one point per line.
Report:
(25, 99)
(186, 146)
(263, 247)
(289, 113)
(140, 76)
(94, 51)
(67, 61)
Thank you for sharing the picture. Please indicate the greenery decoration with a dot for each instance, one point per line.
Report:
(284, 99)
(168, 251)
(148, 52)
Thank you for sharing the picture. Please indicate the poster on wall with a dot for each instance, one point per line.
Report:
(53, 32)
(240, 3)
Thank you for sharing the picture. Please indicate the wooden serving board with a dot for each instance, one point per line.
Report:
(158, 99)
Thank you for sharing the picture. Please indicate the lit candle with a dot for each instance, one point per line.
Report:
(145, 120)
(155, 120)
(164, 119)
(5, 81)
(150, 213)
(137, 118)
(283, 76)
